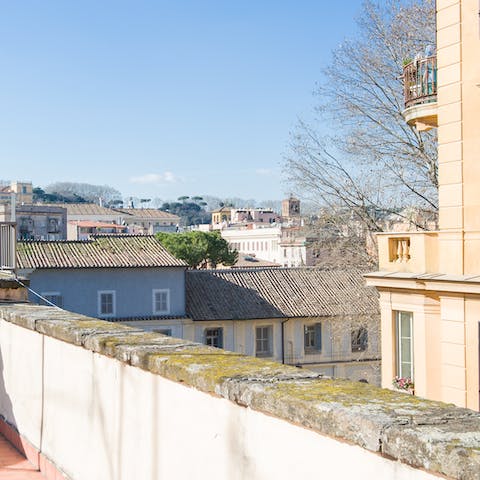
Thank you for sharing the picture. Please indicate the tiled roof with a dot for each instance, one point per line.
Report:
(127, 251)
(148, 213)
(277, 293)
(84, 209)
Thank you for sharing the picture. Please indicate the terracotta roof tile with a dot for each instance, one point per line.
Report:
(127, 251)
(277, 293)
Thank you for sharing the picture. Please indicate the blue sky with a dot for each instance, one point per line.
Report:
(157, 98)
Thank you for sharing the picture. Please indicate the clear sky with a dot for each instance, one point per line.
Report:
(161, 98)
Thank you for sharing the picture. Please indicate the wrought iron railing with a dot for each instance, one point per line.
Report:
(8, 244)
(420, 81)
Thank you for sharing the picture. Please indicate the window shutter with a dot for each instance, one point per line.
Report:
(318, 336)
(220, 338)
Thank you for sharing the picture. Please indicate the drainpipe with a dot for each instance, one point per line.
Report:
(283, 340)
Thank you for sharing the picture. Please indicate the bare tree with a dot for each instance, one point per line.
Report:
(369, 161)
(91, 193)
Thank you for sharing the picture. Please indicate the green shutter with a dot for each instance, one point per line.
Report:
(220, 338)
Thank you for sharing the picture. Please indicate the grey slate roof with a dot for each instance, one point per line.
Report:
(277, 293)
(124, 251)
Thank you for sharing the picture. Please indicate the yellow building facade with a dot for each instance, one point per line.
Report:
(429, 283)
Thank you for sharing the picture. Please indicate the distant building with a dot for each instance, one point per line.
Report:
(254, 215)
(86, 219)
(221, 217)
(262, 234)
(23, 192)
(79, 212)
(286, 246)
(114, 278)
(85, 229)
(291, 209)
(37, 222)
(148, 221)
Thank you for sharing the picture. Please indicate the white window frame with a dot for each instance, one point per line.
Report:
(99, 303)
(154, 301)
(52, 294)
(398, 344)
(269, 339)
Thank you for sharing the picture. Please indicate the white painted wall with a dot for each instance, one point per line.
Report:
(102, 419)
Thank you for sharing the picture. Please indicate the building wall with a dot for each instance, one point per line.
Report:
(273, 244)
(133, 287)
(37, 222)
(335, 359)
(446, 327)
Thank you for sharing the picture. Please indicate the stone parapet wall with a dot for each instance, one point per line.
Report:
(102, 400)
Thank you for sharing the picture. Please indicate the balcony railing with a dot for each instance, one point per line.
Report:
(415, 252)
(420, 81)
(8, 243)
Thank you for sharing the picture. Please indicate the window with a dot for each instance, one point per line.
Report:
(263, 341)
(52, 297)
(359, 339)
(213, 337)
(163, 331)
(404, 344)
(161, 301)
(106, 303)
(312, 338)
(52, 225)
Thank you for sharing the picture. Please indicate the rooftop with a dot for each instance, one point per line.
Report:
(83, 208)
(148, 213)
(126, 251)
(277, 293)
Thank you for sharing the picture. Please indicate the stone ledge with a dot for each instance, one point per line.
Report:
(440, 438)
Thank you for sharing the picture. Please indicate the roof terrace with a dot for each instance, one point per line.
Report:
(96, 400)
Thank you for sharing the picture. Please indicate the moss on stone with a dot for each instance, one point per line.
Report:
(432, 435)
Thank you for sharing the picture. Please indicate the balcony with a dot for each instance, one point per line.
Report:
(420, 90)
(412, 252)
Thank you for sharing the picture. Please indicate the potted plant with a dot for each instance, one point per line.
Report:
(404, 384)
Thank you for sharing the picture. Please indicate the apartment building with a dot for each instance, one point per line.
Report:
(429, 282)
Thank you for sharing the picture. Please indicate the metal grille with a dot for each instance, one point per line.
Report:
(8, 243)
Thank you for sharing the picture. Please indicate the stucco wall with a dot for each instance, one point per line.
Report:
(133, 287)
